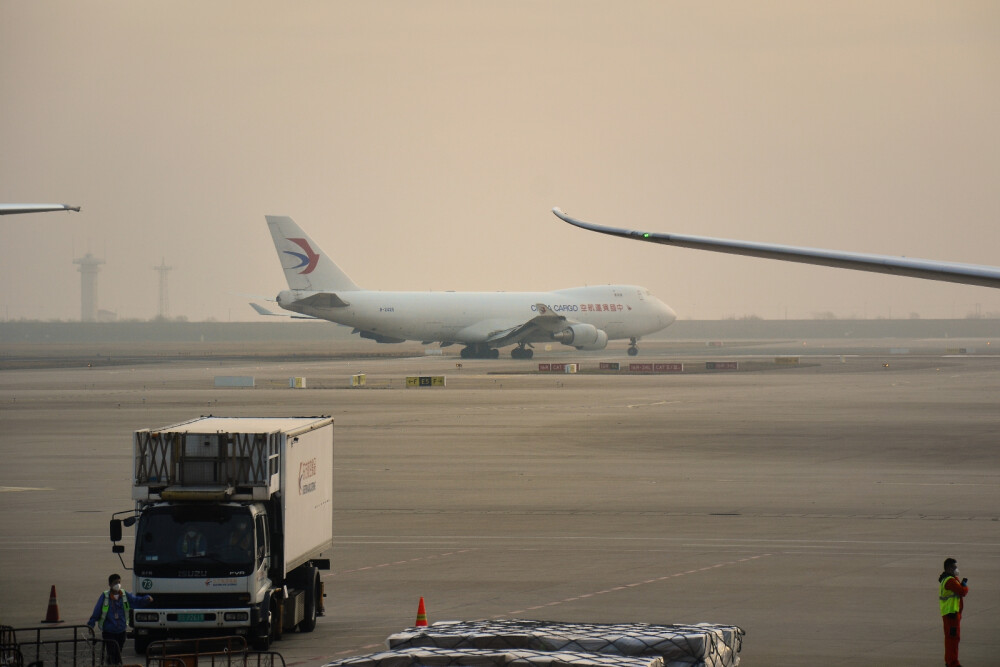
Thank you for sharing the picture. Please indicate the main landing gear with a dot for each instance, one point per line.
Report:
(480, 351)
(522, 352)
(632, 349)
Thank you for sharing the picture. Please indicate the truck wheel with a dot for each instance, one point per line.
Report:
(312, 593)
(277, 618)
(262, 639)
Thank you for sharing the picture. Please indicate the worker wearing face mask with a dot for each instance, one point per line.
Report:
(951, 597)
(111, 614)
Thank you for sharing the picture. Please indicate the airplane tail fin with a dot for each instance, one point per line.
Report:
(306, 266)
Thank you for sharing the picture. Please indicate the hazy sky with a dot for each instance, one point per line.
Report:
(423, 144)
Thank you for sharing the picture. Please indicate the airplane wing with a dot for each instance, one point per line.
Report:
(261, 310)
(10, 209)
(954, 272)
(546, 322)
(264, 311)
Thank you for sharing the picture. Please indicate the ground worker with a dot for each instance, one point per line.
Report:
(111, 615)
(951, 594)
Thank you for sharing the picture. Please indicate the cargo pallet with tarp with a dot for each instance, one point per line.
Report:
(544, 644)
(471, 657)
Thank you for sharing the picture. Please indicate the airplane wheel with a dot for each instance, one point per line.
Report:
(516, 353)
(494, 353)
(465, 353)
(632, 351)
(528, 353)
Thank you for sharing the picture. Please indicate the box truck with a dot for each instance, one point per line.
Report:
(232, 516)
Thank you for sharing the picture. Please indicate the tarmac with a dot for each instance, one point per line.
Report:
(811, 504)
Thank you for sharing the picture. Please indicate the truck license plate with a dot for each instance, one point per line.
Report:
(190, 618)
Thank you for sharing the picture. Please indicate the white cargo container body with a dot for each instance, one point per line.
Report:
(233, 516)
(307, 469)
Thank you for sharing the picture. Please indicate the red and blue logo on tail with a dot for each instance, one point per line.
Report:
(308, 259)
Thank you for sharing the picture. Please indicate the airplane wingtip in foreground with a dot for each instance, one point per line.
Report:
(585, 318)
(11, 209)
(955, 272)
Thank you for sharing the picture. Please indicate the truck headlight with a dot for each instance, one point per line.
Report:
(146, 617)
(236, 616)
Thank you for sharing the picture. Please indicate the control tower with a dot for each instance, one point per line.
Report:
(89, 266)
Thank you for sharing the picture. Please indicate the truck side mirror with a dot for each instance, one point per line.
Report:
(116, 530)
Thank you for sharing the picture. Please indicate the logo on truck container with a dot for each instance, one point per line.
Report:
(307, 470)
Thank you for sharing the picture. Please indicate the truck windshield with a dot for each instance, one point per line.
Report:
(180, 535)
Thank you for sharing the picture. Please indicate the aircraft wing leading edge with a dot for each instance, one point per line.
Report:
(966, 274)
(11, 209)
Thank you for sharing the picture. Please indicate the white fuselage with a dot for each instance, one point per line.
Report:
(622, 311)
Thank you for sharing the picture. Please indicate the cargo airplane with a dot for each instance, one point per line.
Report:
(929, 269)
(582, 317)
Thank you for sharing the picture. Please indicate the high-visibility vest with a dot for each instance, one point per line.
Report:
(948, 600)
(107, 605)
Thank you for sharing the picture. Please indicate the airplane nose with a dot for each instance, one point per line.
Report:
(667, 314)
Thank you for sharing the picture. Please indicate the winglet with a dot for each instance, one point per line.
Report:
(613, 231)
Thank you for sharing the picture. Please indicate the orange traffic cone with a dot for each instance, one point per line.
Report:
(52, 615)
(421, 615)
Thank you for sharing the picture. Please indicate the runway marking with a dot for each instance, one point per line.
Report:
(632, 585)
(666, 542)
(400, 562)
(646, 405)
(11, 489)
(937, 483)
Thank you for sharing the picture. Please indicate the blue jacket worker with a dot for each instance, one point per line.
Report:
(111, 614)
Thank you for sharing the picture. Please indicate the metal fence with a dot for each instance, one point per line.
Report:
(209, 652)
(10, 654)
(250, 659)
(61, 646)
(76, 646)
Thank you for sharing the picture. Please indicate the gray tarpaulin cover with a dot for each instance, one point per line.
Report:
(698, 645)
(470, 657)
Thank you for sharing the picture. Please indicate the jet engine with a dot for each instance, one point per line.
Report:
(582, 337)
